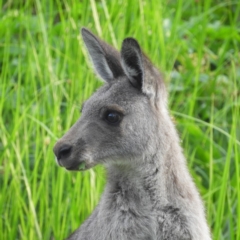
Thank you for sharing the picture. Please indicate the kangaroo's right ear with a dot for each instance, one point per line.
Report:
(106, 59)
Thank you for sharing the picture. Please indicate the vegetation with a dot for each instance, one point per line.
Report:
(44, 78)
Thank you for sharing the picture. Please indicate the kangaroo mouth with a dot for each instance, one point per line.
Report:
(78, 167)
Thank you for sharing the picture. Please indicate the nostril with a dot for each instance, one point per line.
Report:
(64, 151)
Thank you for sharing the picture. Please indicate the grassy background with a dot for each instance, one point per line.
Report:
(44, 77)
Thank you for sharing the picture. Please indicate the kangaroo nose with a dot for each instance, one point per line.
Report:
(63, 151)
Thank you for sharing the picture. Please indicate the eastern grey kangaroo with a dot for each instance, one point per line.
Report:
(126, 126)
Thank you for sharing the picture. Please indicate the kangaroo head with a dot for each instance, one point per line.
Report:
(119, 121)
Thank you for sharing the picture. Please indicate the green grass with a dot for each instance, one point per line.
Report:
(45, 76)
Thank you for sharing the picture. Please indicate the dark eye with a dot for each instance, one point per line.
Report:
(113, 117)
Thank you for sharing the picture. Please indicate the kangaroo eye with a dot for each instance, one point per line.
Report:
(113, 117)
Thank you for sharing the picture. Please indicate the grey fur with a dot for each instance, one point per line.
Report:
(149, 192)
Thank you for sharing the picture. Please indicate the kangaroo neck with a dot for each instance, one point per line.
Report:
(160, 176)
(143, 183)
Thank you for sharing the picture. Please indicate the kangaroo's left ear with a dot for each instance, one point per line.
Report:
(132, 61)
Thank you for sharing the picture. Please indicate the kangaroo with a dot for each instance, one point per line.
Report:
(125, 125)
